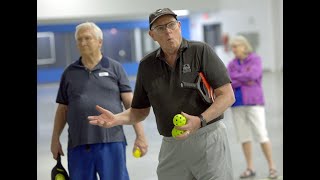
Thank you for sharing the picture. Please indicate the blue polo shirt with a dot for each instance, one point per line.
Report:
(82, 89)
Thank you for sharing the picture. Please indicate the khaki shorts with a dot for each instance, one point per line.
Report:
(204, 155)
(250, 123)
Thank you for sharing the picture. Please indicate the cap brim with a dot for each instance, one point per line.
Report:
(175, 16)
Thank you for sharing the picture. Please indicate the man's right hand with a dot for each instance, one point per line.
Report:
(106, 119)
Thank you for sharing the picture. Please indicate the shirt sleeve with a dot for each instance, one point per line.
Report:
(251, 71)
(233, 71)
(62, 96)
(123, 80)
(213, 68)
(140, 96)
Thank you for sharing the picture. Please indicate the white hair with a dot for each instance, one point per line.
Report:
(89, 25)
(243, 41)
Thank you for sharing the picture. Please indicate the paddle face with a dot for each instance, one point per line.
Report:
(58, 172)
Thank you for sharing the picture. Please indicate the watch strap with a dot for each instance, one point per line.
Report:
(203, 121)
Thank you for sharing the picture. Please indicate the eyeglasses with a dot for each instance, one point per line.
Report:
(162, 28)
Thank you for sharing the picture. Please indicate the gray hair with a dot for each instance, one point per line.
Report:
(243, 41)
(89, 25)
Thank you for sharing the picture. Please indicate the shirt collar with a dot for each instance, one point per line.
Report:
(104, 63)
(184, 45)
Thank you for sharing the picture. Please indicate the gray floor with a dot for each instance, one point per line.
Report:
(145, 168)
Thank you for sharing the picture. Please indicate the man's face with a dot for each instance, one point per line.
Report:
(87, 42)
(166, 30)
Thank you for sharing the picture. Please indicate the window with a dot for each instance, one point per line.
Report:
(45, 48)
(148, 44)
(119, 44)
(212, 34)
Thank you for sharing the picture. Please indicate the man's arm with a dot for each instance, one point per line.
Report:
(224, 99)
(141, 141)
(60, 121)
(128, 117)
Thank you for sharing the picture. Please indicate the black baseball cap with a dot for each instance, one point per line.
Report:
(158, 13)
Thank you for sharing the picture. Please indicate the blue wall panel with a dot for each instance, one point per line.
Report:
(49, 75)
(52, 75)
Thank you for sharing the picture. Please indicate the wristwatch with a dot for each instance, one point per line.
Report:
(203, 121)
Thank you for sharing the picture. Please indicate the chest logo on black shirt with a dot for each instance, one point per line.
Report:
(186, 68)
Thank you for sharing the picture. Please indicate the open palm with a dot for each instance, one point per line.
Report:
(105, 119)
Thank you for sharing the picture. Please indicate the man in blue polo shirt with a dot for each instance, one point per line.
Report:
(93, 79)
(202, 151)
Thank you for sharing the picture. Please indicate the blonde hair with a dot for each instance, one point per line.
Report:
(243, 41)
(89, 25)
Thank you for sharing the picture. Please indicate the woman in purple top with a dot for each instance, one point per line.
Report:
(248, 111)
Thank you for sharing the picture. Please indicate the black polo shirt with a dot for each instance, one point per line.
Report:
(158, 85)
(81, 90)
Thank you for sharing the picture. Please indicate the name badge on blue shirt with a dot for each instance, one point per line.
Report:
(103, 74)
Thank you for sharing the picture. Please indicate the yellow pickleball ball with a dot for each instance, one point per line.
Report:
(59, 177)
(179, 120)
(175, 132)
(137, 153)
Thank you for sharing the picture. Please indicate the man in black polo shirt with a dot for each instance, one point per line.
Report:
(202, 151)
(93, 79)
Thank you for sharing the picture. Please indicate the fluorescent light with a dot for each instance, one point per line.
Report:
(181, 12)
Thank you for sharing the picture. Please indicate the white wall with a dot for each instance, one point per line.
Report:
(262, 16)
(242, 19)
(278, 32)
(59, 10)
